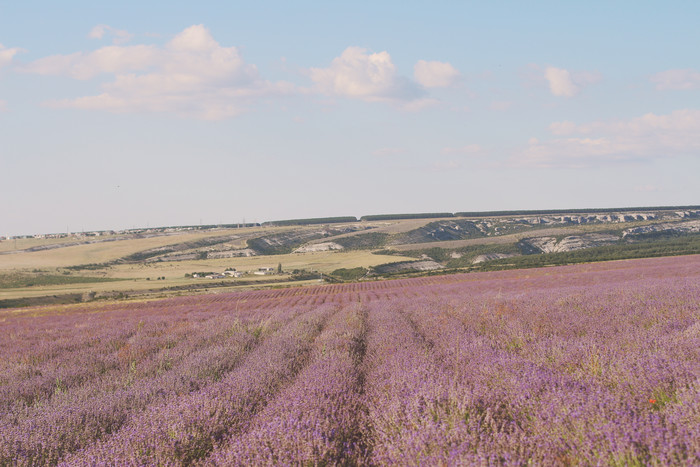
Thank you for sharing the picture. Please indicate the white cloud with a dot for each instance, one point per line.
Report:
(647, 137)
(368, 76)
(111, 59)
(119, 36)
(193, 75)
(560, 82)
(677, 79)
(7, 55)
(98, 31)
(564, 83)
(435, 74)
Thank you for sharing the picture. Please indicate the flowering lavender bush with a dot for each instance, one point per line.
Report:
(591, 364)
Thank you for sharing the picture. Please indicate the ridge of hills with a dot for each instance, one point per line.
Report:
(46, 269)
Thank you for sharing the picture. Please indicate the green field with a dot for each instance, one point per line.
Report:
(18, 280)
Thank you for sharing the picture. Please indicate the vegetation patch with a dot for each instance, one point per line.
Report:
(687, 245)
(363, 241)
(460, 257)
(524, 255)
(285, 242)
(406, 266)
(351, 274)
(464, 257)
(304, 275)
(88, 267)
(41, 301)
(440, 231)
(17, 280)
(192, 245)
(271, 246)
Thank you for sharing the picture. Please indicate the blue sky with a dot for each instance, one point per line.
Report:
(123, 114)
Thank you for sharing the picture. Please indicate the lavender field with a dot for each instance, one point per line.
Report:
(578, 365)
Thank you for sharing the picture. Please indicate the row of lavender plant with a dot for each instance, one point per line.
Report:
(95, 341)
(402, 384)
(592, 376)
(94, 344)
(74, 418)
(150, 346)
(182, 429)
(316, 420)
(36, 371)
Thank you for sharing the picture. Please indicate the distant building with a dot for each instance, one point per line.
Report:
(264, 271)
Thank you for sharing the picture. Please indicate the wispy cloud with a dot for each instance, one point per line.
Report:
(435, 74)
(371, 77)
(564, 83)
(192, 76)
(677, 79)
(643, 138)
(7, 55)
(111, 59)
(119, 36)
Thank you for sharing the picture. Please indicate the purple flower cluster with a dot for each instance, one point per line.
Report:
(592, 364)
(183, 428)
(317, 419)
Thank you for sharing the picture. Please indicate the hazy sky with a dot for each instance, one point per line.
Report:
(134, 113)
